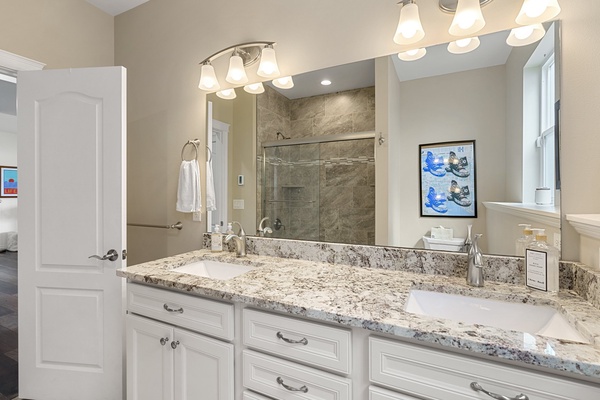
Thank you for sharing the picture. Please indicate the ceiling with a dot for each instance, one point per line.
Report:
(116, 7)
(438, 61)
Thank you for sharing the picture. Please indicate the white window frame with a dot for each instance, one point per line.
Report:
(546, 138)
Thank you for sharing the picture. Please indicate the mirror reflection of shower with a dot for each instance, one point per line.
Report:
(320, 188)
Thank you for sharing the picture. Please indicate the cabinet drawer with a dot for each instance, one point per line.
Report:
(313, 343)
(268, 375)
(376, 393)
(247, 395)
(201, 315)
(441, 375)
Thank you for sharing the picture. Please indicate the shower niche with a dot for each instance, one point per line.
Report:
(320, 188)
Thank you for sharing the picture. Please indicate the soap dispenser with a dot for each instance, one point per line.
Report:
(541, 264)
(216, 240)
(524, 240)
(229, 230)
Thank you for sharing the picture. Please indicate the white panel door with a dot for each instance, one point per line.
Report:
(71, 151)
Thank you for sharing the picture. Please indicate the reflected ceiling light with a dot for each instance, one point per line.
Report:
(268, 67)
(236, 74)
(525, 35)
(409, 28)
(243, 55)
(285, 82)
(325, 82)
(227, 94)
(468, 18)
(255, 88)
(208, 79)
(537, 11)
(412, 55)
(462, 46)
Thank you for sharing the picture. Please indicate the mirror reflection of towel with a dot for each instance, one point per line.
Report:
(211, 202)
(188, 190)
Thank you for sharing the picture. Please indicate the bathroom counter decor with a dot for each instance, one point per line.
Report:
(374, 299)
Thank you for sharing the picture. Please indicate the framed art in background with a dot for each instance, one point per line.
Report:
(9, 182)
(447, 179)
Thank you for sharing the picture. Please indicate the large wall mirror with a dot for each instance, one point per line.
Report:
(306, 158)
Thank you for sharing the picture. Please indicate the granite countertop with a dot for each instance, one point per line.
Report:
(374, 299)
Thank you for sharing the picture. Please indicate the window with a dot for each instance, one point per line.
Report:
(546, 139)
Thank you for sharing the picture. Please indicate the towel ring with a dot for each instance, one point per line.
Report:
(193, 143)
(209, 154)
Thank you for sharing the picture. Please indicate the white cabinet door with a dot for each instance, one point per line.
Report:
(149, 359)
(203, 367)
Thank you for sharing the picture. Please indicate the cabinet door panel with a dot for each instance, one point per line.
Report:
(203, 367)
(149, 363)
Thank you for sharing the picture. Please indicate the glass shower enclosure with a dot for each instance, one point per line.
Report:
(320, 188)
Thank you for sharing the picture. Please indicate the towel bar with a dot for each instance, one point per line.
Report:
(178, 225)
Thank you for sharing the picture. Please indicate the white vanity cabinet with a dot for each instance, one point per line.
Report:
(167, 360)
(427, 373)
(301, 352)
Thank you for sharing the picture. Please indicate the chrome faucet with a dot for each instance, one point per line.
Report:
(475, 264)
(239, 240)
(263, 231)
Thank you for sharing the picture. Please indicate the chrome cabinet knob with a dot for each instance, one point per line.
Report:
(174, 344)
(164, 341)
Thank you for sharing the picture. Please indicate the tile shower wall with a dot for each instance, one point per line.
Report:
(340, 207)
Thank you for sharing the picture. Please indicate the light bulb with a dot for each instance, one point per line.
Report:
(325, 82)
(463, 42)
(255, 88)
(227, 94)
(236, 73)
(468, 18)
(534, 9)
(525, 35)
(537, 11)
(285, 82)
(412, 55)
(409, 28)
(524, 32)
(462, 46)
(208, 79)
(268, 67)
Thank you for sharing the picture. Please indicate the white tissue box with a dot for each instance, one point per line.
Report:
(442, 233)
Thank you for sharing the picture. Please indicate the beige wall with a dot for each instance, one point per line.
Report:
(59, 33)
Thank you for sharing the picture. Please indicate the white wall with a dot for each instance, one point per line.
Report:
(467, 105)
(8, 157)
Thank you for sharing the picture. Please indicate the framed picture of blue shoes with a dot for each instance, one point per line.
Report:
(448, 180)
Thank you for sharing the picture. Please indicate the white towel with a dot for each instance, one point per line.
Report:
(211, 201)
(188, 190)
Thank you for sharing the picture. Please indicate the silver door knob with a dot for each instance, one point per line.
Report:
(112, 255)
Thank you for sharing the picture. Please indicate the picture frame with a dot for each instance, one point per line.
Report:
(448, 183)
(9, 182)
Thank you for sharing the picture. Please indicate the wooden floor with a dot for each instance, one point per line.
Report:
(8, 326)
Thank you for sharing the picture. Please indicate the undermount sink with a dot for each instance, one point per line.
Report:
(532, 319)
(213, 269)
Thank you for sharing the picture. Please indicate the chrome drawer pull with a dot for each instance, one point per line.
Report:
(302, 341)
(169, 309)
(164, 340)
(302, 389)
(477, 387)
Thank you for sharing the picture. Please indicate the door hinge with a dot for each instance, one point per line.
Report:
(124, 254)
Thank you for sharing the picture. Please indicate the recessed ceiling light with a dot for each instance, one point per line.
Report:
(325, 82)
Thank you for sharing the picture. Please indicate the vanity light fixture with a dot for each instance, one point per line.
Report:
(208, 79)
(254, 88)
(462, 46)
(236, 74)
(537, 11)
(268, 67)
(525, 35)
(468, 18)
(227, 94)
(409, 30)
(412, 55)
(243, 55)
(285, 82)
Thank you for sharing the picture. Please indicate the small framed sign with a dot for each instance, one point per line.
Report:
(9, 182)
(448, 184)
